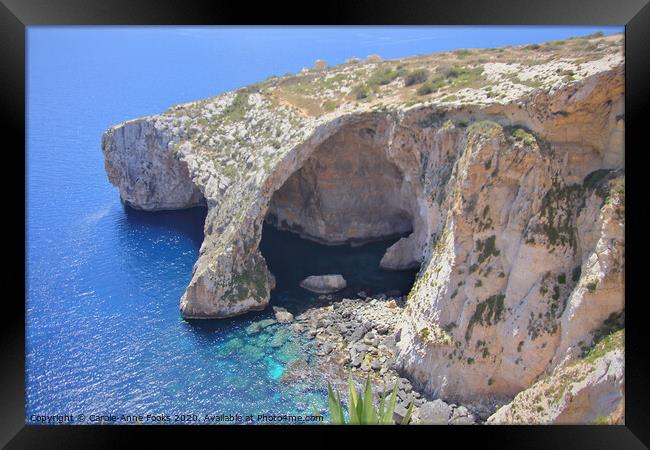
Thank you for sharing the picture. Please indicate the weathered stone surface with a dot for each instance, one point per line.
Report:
(497, 297)
(323, 284)
(581, 392)
(139, 162)
(436, 412)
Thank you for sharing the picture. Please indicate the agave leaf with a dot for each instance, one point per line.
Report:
(336, 409)
(353, 407)
(369, 416)
(407, 417)
(352, 392)
(360, 407)
(341, 417)
(388, 414)
(380, 413)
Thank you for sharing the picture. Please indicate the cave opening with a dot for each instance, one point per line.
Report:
(347, 210)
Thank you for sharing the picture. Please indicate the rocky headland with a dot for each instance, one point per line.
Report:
(505, 167)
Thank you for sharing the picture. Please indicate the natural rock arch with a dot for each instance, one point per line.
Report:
(348, 191)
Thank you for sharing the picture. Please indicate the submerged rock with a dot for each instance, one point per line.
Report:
(280, 337)
(232, 346)
(252, 352)
(324, 284)
(297, 371)
(256, 327)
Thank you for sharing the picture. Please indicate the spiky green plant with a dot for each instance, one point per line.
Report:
(361, 408)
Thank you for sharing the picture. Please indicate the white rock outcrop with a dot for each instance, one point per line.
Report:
(583, 392)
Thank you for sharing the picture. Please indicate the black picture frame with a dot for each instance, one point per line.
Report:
(16, 15)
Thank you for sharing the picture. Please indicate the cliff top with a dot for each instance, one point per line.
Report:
(252, 127)
(477, 76)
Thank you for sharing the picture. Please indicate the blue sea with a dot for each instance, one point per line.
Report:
(104, 334)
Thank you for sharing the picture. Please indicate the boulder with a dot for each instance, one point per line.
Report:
(282, 315)
(436, 412)
(401, 255)
(400, 412)
(462, 416)
(324, 284)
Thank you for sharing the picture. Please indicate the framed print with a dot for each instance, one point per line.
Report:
(411, 216)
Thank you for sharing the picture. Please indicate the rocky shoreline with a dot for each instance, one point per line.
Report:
(360, 335)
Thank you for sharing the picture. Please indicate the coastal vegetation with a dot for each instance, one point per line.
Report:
(361, 408)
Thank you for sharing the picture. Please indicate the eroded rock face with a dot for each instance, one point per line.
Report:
(323, 284)
(140, 162)
(348, 191)
(509, 282)
(403, 254)
(582, 392)
(516, 212)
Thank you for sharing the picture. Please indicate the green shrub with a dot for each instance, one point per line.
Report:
(416, 77)
(602, 420)
(430, 86)
(488, 312)
(237, 109)
(361, 408)
(522, 135)
(612, 341)
(381, 77)
(617, 191)
(425, 89)
(463, 73)
(360, 91)
(462, 53)
(490, 129)
(330, 105)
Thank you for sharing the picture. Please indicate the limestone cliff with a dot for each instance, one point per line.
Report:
(506, 166)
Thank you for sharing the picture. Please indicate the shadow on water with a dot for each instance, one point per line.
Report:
(291, 259)
(188, 222)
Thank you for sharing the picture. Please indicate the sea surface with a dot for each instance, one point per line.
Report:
(104, 334)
